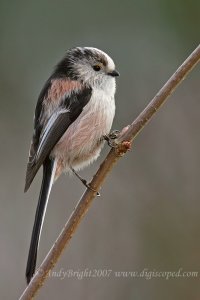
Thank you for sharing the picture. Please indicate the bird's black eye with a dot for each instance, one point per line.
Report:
(97, 68)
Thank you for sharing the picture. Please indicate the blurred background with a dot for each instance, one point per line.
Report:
(148, 215)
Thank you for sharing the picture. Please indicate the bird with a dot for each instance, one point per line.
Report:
(74, 111)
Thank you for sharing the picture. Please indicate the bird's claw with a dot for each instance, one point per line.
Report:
(85, 183)
(110, 138)
(90, 188)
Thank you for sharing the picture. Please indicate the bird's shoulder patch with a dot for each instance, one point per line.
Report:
(61, 88)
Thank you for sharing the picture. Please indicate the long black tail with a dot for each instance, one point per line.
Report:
(49, 167)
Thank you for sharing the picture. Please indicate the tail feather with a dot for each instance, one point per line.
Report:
(49, 168)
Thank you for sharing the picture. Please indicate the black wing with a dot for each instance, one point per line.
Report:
(72, 105)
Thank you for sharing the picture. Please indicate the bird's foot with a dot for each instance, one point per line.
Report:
(111, 137)
(85, 183)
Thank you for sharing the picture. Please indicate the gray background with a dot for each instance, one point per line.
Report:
(148, 214)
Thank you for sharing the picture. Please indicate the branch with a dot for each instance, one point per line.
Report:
(123, 143)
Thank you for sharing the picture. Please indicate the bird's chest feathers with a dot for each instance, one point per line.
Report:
(94, 122)
(99, 112)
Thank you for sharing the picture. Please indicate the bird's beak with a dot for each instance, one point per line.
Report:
(113, 73)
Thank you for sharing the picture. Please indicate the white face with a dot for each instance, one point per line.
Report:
(96, 69)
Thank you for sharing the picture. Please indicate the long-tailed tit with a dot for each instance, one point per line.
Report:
(75, 109)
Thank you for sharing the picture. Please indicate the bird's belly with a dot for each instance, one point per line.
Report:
(82, 142)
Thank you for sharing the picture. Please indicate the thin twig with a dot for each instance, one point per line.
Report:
(123, 144)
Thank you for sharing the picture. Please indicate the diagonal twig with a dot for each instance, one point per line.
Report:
(123, 143)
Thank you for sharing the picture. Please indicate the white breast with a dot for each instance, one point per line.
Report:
(80, 145)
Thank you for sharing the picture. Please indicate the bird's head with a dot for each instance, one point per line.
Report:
(89, 65)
